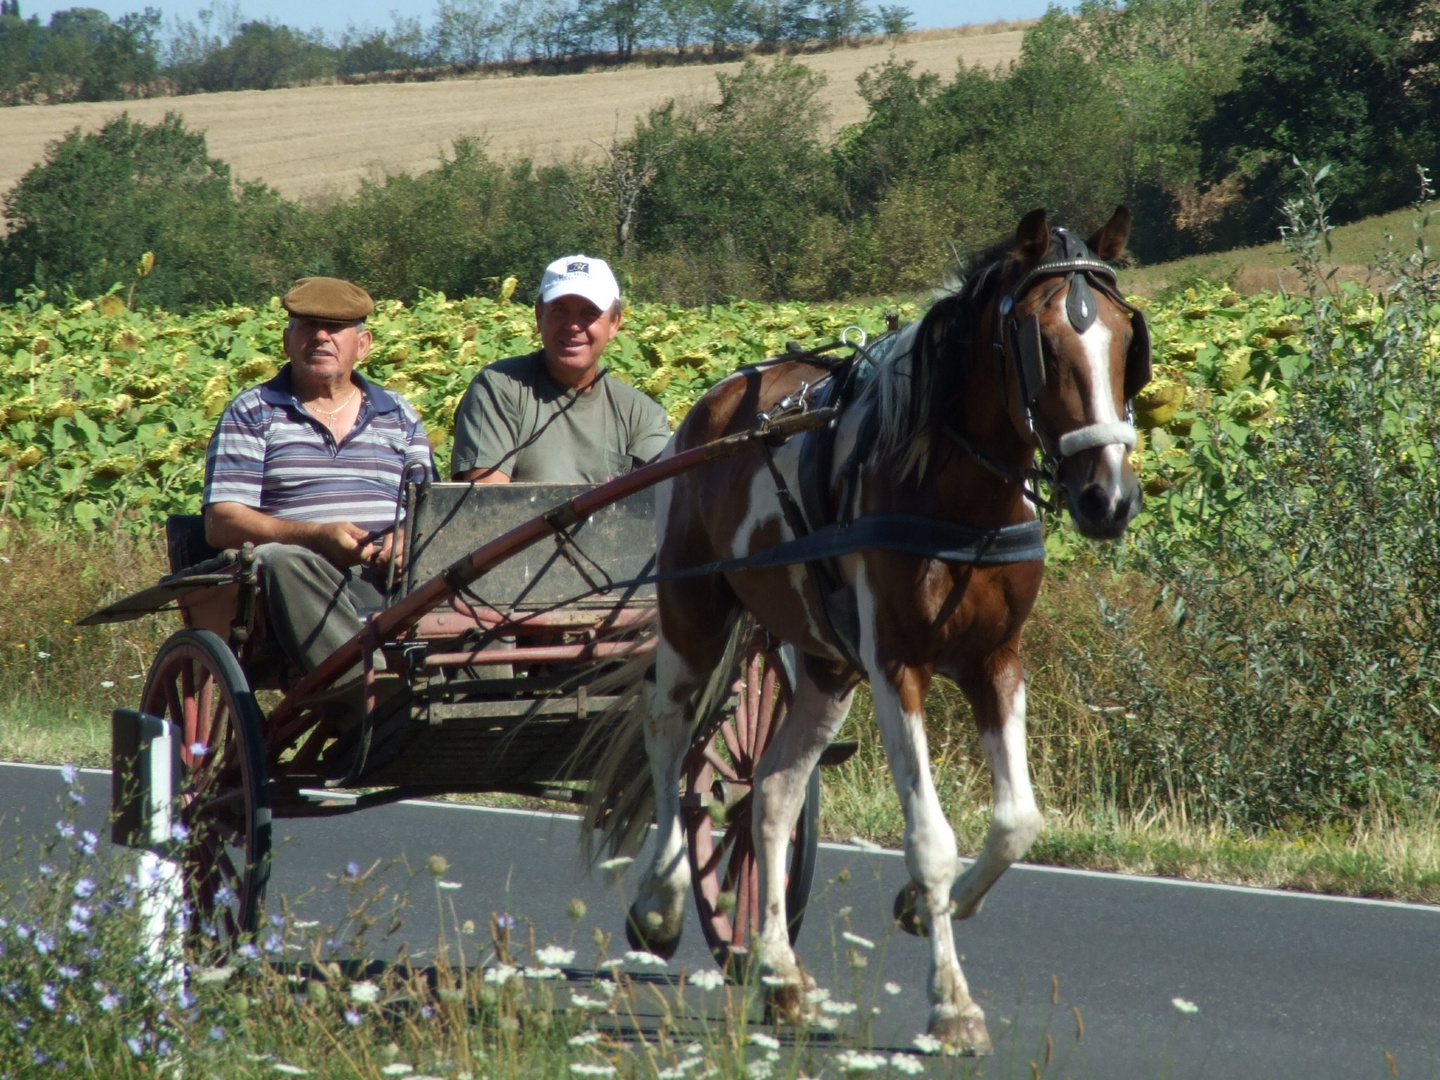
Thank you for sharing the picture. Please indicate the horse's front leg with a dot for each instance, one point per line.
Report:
(931, 855)
(818, 709)
(657, 915)
(996, 692)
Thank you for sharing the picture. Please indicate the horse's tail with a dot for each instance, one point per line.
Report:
(621, 802)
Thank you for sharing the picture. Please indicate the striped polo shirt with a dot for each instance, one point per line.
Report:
(270, 454)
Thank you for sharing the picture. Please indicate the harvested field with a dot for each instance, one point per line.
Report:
(316, 141)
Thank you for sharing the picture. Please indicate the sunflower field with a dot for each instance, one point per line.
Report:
(105, 412)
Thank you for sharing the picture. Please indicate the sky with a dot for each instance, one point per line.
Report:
(333, 16)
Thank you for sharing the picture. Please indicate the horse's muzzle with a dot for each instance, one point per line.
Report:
(1101, 489)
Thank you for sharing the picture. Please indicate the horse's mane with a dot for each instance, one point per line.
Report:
(917, 387)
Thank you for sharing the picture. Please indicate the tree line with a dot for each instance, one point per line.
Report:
(82, 55)
(1192, 112)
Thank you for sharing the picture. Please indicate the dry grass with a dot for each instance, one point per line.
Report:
(1268, 267)
(273, 135)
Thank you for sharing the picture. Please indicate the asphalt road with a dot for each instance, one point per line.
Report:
(1287, 985)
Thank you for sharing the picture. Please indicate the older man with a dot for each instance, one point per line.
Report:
(555, 414)
(309, 466)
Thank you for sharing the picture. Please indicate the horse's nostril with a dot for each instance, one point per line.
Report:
(1094, 502)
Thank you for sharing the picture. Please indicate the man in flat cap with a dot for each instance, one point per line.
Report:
(309, 467)
(555, 414)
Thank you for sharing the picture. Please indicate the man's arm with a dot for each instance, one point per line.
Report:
(483, 476)
(230, 524)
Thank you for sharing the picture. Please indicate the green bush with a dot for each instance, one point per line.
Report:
(1301, 678)
(82, 220)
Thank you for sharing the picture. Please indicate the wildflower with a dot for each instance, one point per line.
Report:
(66, 972)
(709, 979)
(906, 1063)
(816, 995)
(505, 922)
(217, 1033)
(136, 1046)
(274, 944)
(448, 886)
(84, 888)
(1189, 1008)
(81, 912)
(768, 1042)
(88, 841)
(397, 1068)
(588, 1004)
(65, 829)
(110, 1002)
(437, 864)
(544, 973)
(606, 988)
(46, 870)
(588, 1038)
(288, 1069)
(352, 869)
(645, 959)
(43, 655)
(39, 1056)
(927, 1044)
(68, 773)
(500, 974)
(199, 749)
(826, 1023)
(759, 1070)
(352, 1018)
(212, 974)
(179, 833)
(249, 951)
(47, 997)
(108, 684)
(554, 955)
(365, 993)
(892, 988)
(855, 1061)
(838, 1008)
(580, 1068)
(856, 939)
(305, 924)
(44, 943)
(677, 1072)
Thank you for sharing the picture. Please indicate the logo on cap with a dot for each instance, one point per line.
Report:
(577, 268)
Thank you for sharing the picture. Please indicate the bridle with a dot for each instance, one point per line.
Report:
(1021, 344)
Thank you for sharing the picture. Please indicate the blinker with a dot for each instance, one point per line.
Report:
(1030, 351)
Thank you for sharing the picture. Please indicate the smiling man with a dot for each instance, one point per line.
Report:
(555, 415)
(309, 467)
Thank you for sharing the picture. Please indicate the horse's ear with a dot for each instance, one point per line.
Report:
(1109, 242)
(1032, 238)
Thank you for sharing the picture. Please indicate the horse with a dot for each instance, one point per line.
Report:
(1036, 353)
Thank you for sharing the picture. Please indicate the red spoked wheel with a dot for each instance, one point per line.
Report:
(718, 795)
(223, 800)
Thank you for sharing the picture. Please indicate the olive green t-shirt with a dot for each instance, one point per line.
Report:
(517, 418)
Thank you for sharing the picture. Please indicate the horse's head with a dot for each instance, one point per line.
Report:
(1076, 354)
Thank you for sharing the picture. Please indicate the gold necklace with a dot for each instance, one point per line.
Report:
(339, 408)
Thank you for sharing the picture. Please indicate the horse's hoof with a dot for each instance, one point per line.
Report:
(964, 1034)
(647, 938)
(907, 910)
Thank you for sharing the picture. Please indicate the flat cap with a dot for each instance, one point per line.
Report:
(328, 298)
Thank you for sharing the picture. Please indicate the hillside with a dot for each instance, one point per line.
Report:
(314, 141)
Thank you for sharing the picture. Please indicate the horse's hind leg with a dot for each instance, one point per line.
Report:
(818, 708)
(688, 651)
(997, 696)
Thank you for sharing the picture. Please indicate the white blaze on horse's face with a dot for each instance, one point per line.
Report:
(1102, 490)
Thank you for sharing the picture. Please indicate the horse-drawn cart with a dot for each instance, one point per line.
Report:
(485, 672)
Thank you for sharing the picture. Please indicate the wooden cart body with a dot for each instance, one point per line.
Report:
(489, 688)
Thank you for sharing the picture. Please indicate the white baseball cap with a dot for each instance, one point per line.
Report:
(580, 275)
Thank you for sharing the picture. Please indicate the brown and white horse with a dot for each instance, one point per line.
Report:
(1037, 352)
